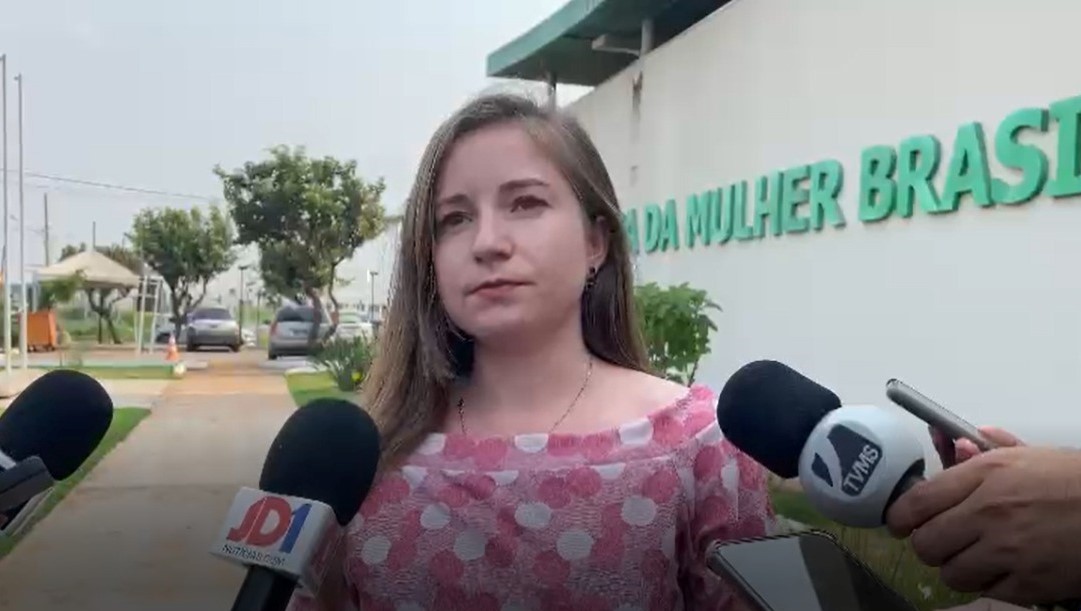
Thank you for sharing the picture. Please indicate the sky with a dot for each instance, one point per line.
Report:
(154, 95)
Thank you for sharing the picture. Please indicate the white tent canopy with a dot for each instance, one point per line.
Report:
(96, 269)
(99, 271)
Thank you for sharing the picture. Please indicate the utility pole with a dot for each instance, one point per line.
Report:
(48, 259)
(22, 236)
(6, 275)
(94, 235)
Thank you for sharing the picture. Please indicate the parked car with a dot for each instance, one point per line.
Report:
(351, 325)
(213, 326)
(290, 330)
(165, 327)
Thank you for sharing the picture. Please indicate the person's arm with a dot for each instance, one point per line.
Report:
(731, 502)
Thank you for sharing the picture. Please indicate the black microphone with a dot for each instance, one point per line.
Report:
(852, 461)
(46, 434)
(318, 471)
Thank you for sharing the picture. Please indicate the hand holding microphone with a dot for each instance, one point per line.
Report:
(289, 533)
(46, 434)
(1003, 522)
(992, 529)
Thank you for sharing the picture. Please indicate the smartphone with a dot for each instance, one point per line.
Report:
(935, 415)
(806, 571)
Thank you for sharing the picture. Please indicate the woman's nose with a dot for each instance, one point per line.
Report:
(491, 240)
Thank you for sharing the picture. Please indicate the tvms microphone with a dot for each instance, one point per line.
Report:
(317, 472)
(47, 432)
(852, 461)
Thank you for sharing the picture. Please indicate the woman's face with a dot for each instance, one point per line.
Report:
(512, 249)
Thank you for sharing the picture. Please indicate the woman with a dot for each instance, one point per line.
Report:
(530, 459)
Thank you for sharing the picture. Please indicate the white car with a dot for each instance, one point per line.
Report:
(351, 325)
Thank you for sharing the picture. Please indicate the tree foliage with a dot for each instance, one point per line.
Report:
(103, 299)
(55, 293)
(307, 215)
(188, 248)
(279, 272)
(676, 326)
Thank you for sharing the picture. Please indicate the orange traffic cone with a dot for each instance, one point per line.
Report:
(172, 355)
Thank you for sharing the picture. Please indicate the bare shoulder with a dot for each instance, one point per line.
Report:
(640, 392)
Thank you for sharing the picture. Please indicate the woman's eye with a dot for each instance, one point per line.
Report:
(452, 219)
(527, 202)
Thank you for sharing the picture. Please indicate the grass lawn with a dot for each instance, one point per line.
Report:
(890, 558)
(124, 420)
(306, 387)
(150, 372)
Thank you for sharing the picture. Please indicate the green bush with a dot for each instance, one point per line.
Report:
(676, 325)
(346, 359)
(56, 293)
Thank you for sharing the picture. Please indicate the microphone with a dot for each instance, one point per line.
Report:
(852, 461)
(317, 472)
(47, 432)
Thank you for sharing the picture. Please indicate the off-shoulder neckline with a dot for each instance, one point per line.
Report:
(695, 392)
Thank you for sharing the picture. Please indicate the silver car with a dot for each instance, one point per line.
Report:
(290, 329)
(351, 325)
(166, 328)
(213, 326)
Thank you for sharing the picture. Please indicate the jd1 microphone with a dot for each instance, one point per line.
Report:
(852, 461)
(317, 472)
(46, 434)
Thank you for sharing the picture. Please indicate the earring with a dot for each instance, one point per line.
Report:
(591, 279)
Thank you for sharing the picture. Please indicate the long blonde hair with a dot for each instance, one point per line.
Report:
(420, 355)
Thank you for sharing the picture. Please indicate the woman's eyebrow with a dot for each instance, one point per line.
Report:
(521, 183)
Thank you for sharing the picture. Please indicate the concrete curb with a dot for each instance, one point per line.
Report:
(289, 367)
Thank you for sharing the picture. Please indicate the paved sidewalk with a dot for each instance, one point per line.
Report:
(138, 393)
(124, 393)
(135, 534)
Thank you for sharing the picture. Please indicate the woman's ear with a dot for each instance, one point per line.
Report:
(597, 241)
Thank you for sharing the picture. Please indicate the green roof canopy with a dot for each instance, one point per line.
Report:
(562, 44)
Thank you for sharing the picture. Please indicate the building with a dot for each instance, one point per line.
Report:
(869, 189)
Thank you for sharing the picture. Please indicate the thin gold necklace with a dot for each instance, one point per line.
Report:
(589, 373)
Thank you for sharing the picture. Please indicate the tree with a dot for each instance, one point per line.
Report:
(55, 293)
(101, 299)
(188, 248)
(307, 216)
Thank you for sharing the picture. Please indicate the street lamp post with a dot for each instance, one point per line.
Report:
(22, 234)
(258, 313)
(240, 315)
(5, 276)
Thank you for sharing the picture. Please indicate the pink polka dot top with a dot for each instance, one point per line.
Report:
(610, 521)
